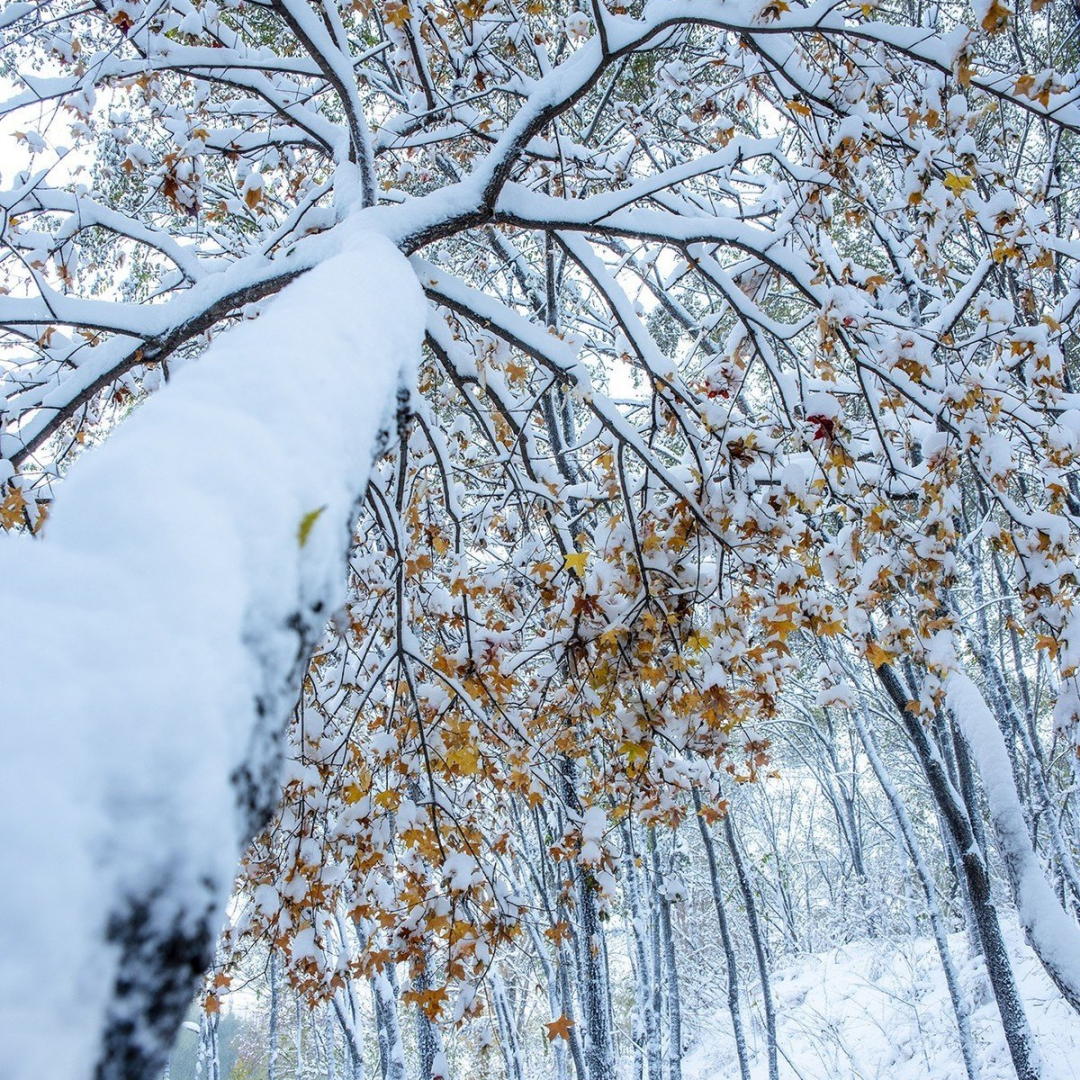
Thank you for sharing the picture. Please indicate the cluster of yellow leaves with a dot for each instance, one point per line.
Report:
(17, 513)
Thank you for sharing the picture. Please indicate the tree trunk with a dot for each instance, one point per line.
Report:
(998, 965)
(760, 953)
(937, 923)
(725, 938)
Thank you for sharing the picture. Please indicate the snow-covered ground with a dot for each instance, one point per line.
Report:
(880, 1010)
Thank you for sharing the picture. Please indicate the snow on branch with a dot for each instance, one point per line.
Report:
(155, 644)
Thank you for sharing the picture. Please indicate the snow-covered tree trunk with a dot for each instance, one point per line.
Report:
(937, 923)
(957, 818)
(348, 1018)
(734, 1007)
(662, 918)
(189, 567)
(508, 1040)
(330, 1035)
(760, 948)
(275, 1016)
(1009, 718)
(428, 1037)
(391, 1048)
(649, 1027)
(589, 937)
(1053, 935)
(298, 1040)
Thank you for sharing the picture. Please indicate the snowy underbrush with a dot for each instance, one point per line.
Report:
(880, 1010)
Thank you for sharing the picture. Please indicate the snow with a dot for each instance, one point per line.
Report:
(880, 1010)
(163, 602)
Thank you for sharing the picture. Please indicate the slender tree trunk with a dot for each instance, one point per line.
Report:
(649, 1017)
(275, 1014)
(937, 923)
(599, 1052)
(656, 954)
(299, 1040)
(577, 1053)
(508, 1040)
(428, 1040)
(725, 938)
(329, 1034)
(348, 1019)
(671, 971)
(215, 1049)
(760, 953)
(383, 990)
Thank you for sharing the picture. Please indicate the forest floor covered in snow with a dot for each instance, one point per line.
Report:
(879, 1010)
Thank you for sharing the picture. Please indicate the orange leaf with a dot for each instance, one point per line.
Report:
(878, 656)
(996, 17)
(559, 1029)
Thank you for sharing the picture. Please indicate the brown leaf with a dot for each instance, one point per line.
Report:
(559, 1029)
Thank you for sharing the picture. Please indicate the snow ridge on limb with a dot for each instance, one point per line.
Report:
(190, 565)
(1053, 935)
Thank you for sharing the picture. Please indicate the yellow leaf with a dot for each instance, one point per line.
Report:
(781, 628)
(397, 14)
(465, 759)
(878, 656)
(712, 814)
(430, 1001)
(415, 567)
(307, 523)
(1044, 641)
(558, 933)
(799, 108)
(12, 509)
(575, 562)
(957, 183)
(1025, 84)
